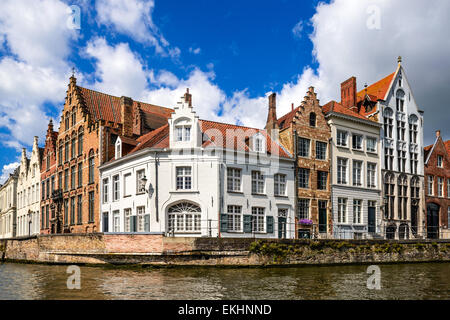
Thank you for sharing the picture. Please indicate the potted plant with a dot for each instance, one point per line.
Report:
(306, 222)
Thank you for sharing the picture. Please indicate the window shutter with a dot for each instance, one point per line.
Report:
(133, 223)
(269, 224)
(147, 223)
(223, 222)
(247, 223)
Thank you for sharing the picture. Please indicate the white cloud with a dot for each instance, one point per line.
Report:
(194, 50)
(297, 30)
(134, 18)
(7, 170)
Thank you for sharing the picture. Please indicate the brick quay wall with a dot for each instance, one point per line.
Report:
(158, 250)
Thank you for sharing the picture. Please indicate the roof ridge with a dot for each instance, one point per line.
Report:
(229, 124)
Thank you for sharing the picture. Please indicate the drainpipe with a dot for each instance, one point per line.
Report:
(330, 141)
(156, 186)
(296, 183)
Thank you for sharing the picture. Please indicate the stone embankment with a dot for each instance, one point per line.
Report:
(158, 250)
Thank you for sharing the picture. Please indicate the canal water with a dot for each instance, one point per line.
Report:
(400, 281)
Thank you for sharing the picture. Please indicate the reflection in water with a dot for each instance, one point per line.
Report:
(402, 281)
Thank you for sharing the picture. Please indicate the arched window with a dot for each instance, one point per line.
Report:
(402, 191)
(400, 100)
(184, 217)
(388, 122)
(80, 140)
(66, 121)
(66, 149)
(389, 196)
(413, 121)
(74, 116)
(182, 130)
(91, 166)
(312, 119)
(73, 142)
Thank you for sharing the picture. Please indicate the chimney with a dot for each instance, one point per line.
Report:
(188, 98)
(348, 93)
(126, 112)
(292, 106)
(438, 133)
(272, 115)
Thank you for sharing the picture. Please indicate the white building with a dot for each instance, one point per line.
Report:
(194, 177)
(28, 197)
(390, 102)
(8, 212)
(356, 178)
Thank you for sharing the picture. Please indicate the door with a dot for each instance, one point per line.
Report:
(371, 220)
(322, 216)
(432, 221)
(414, 210)
(281, 227)
(105, 221)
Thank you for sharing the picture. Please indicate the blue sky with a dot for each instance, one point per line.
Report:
(231, 54)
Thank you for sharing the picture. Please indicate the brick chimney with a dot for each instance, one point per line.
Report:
(188, 98)
(272, 115)
(348, 93)
(126, 112)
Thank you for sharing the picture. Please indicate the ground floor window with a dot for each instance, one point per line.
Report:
(128, 222)
(342, 210)
(234, 218)
(116, 221)
(143, 220)
(258, 219)
(184, 217)
(357, 211)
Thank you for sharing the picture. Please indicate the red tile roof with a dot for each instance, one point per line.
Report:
(107, 107)
(378, 90)
(215, 134)
(334, 106)
(286, 120)
(447, 146)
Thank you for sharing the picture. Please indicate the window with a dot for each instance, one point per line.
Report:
(184, 217)
(80, 210)
(303, 209)
(401, 160)
(66, 179)
(183, 133)
(312, 119)
(322, 178)
(91, 206)
(52, 186)
(389, 196)
(413, 129)
(341, 171)
(388, 123)
(341, 138)
(80, 141)
(140, 185)
(73, 150)
(66, 212)
(439, 161)
(342, 210)
(357, 211)
(43, 190)
(400, 100)
(303, 178)
(184, 178)
(389, 158)
(371, 144)
(128, 222)
(303, 147)
(401, 130)
(72, 177)
(280, 184)
(371, 175)
(72, 210)
(357, 173)
(118, 149)
(258, 219)
(321, 150)
(127, 185)
(105, 190)
(440, 185)
(66, 121)
(357, 141)
(257, 182)
(116, 188)
(234, 218)
(80, 174)
(258, 144)
(143, 224)
(402, 190)
(91, 169)
(60, 180)
(74, 117)
(48, 161)
(234, 179)
(414, 162)
(66, 151)
(430, 185)
(116, 221)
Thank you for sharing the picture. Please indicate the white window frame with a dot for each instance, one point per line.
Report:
(357, 180)
(258, 182)
(375, 141)
(342, 170)
(234, 213)
(140, 187)
(126, 191)
(116, 187)
(258, 219)
(440, 186)
(371, 175)
(430, 185)
(105, 190)
(357, 211)
(359, 141)
(342, 210)
(183, 178)
(116, 220)
(234, 179)
(279, 184)
(342, 138)
(440, 161)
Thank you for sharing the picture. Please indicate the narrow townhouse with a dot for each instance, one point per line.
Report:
(28, 196)
(194, 177)
(356, 174)
(8, 208)
(305, 133)
(437, 182)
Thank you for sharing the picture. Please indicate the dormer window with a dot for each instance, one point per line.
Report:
(118, 149)
(258, 144)
(183, 131)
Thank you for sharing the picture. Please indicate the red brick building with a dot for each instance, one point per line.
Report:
(437, 186)
(90, 123)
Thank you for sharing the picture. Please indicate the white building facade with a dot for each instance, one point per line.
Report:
(8, 198)
(28, 196)
(356, 174)
(189, 178)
